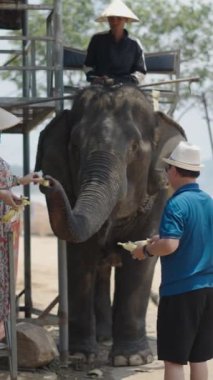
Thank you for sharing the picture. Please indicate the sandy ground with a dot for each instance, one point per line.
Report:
(45, 289)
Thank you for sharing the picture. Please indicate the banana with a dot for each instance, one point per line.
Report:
(8, 216)
(25, 201)
(131, 246)
(44, 182)
(15, 212)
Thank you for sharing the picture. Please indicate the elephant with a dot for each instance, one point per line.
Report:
(107, 184)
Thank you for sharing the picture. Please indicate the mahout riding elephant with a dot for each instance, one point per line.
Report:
(107, 185)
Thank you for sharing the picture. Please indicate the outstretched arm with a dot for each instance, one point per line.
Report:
(9, 198)
(156, 247)
(27, 179)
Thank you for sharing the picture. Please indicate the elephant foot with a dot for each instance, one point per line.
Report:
(80, 361)
(104, 338)
(139, 358)
(104, 334)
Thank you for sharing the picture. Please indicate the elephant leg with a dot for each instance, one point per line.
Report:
(103, 309)
(82, 262)
(132, 289)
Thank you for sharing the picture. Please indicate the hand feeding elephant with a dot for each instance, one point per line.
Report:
(106, 153)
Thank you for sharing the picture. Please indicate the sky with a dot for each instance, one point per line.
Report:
(196, 128)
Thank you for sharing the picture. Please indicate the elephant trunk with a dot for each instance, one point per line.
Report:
(101, 187)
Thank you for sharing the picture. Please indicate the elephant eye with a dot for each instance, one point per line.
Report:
(74, 146)
(134, 147)
(132, 151)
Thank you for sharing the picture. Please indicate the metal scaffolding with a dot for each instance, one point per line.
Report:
(34, 106)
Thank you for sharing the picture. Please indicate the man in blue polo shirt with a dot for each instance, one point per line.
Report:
(185, 245)
(113, 56)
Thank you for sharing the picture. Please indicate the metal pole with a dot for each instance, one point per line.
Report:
(27, 232)
(180, 80)
(26, 159)
(207, 120)
(12, 325)
(62, 255)
(58, 53)
(63, 302)
(26, 169)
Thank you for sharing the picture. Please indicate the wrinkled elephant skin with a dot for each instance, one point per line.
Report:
(105, 154)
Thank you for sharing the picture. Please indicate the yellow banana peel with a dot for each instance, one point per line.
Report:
(12, 213)
(131, 246)
(25, 201)
(8, 216)
(44, 182)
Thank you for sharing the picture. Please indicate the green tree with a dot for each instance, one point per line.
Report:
(175, 24)
(77, 22)
(184, 25)
(164, 25)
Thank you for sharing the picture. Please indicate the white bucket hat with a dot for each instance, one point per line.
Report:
(7, 119)
(185, 156)
(118, 9)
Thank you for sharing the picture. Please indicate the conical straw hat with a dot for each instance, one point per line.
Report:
(118, 9)
(7, 119)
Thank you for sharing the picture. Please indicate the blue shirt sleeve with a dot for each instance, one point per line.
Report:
(172, 222)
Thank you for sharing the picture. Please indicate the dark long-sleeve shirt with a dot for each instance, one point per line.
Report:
(122, 61)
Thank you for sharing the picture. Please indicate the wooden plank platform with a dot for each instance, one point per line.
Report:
(30, 113)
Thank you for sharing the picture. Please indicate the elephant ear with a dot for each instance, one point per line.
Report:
(52, 150)
(167, 135)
